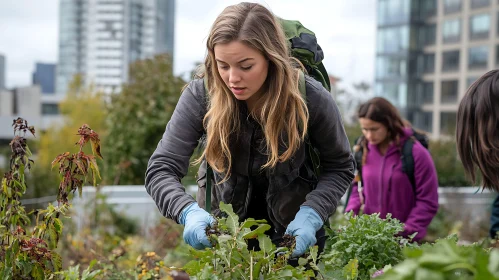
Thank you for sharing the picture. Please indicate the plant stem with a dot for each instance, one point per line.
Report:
(460, 265)
(251, 267)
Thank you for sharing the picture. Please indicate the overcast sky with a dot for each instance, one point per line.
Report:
(345, 30)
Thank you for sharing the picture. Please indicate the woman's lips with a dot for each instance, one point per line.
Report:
(237, 90)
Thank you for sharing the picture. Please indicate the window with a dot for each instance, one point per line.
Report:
(479, 3)
(450, 61)
(391, 67)
(423, 94)
(428, 7)
(479, 26)
(50, 109)
(478, 57)
(422, 63)
(393, 39)
(423, 121)
(452, 6)
(427, 92)
(427, 35)
(396, 93)
(428, 63)
(423, 9)
(451, 31)
(447, 123)
(470, 81)
(393, 11)
(449, 92)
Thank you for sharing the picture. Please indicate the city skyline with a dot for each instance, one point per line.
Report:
(346, 34)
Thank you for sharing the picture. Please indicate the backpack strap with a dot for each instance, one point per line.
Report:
(209, 170)
(358, 153)
(302, 86)
(209, 175)
(408, 161)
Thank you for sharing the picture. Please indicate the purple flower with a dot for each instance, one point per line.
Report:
(377, 273)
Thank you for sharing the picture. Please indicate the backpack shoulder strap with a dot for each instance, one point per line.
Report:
(408, 161)
(357, 154)
(302, 86)
(209, 170)
(209, 175)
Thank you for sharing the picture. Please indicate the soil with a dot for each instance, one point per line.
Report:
(213, 230)
(288, 241)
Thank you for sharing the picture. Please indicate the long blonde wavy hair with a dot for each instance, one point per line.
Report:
(281, 110)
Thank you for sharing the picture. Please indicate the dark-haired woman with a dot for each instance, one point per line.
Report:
(386, 187)
(477, 136)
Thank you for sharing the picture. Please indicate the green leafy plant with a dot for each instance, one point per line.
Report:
(446, 260)
(26, 253)
(230, 257)
(136, 123)
(361, 247)
(73, 273)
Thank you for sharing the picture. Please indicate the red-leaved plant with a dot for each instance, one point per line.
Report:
(26, 253)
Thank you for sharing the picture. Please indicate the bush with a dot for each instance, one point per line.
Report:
(367, 241)
(449, 168)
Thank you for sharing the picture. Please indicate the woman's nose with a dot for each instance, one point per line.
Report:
(234, 76)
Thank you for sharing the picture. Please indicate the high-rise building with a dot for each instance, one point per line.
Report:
(429, 52)
(2, 72)
(100, 38)
(44, 75)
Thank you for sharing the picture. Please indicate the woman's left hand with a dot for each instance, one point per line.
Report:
(304, 227)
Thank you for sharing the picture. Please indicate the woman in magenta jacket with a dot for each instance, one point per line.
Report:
(387, 189)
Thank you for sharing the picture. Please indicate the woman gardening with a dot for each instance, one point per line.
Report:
(255, 123)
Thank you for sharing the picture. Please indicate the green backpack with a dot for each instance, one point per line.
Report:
(303, 46)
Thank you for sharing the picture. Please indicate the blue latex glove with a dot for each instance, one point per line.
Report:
(195, 221)
(305, 225)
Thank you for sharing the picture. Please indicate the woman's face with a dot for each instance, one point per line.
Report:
(374, 132)
(242, 68)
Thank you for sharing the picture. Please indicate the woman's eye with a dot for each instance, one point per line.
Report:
(223, 67)
(246, 68)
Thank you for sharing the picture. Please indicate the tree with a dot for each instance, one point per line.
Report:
(349, 100)
(137, 118)
(81, 105)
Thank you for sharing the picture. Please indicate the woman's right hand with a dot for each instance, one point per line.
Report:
(195, 221)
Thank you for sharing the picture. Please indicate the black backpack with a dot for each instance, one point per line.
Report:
(407, 158)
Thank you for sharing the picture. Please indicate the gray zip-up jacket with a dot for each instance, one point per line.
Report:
(291, 183)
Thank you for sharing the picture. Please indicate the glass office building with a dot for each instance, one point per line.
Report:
(100, 38)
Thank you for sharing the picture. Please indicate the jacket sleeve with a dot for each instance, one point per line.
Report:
(494, 219)
(426, 205)
(170, 161)
(354, 200)
(328, 135)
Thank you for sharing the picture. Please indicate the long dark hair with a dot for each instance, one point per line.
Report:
(380, 110)
(477, 130)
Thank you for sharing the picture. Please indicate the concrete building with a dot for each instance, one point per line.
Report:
(19, 102)
(3, 63)
(40, 110)
(44, 75)
(429, 52)
(100, 38)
